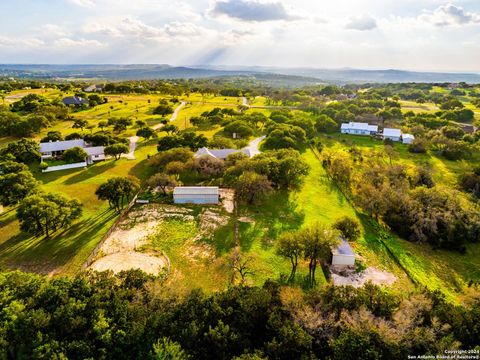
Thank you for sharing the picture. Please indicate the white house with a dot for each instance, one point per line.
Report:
(408, 138)
(56, 148)
(196, 195)
(358, 128)
(95, 153)
(343, 255)
(392, 134)
(219, 153)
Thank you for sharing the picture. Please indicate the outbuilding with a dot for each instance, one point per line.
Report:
(196, 195)
(407, 138)
(343, 255)
(392, 134)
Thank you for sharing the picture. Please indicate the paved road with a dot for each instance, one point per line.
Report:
(134, 139)
(253, 145)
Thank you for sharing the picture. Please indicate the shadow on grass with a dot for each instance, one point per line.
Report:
(24, 250)
(90, 172)
(141, 170)
(54, 175)
(274, 216)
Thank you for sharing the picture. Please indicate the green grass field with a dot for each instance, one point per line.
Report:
(442, 270)
(66, 251)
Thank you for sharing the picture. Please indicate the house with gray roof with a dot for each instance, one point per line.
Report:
(220, 153)
(358, 128)
(74, 101)
(54, 149)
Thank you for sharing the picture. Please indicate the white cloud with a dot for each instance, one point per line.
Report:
(83, 3)
(20, 42)
(50, 30)
(251, 10)
(68, 42)
(449, 14)
(361, 23)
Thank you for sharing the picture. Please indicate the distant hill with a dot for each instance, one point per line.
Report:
(272, 75)
(342, 76)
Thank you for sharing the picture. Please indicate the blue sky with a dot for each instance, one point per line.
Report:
(408, 34)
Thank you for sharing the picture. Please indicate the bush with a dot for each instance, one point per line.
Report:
(349, 227)
(74, 155)
(418, 146)
(43, 166)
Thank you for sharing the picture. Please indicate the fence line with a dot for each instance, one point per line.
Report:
(65, 167)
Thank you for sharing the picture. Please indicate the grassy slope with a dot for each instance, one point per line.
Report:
(446, 271)
(65, 252)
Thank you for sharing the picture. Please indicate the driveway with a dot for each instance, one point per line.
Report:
(253, 145)
(134, 139)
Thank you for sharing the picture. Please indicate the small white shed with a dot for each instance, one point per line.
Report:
(343, 255)
(196, 195)
(408, 138)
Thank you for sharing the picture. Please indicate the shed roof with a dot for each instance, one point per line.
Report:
(408, 136)
(195, 190)
(392, 132)
(343, 249)
(60, 145)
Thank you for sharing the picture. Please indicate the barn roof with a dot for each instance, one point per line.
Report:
(392, 132)
(343, 249)
(195, 190)
(60, 145)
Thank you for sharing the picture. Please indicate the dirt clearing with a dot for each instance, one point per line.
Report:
(372, 274)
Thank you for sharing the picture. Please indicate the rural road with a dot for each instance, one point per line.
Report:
(253, 146)
(134, 139)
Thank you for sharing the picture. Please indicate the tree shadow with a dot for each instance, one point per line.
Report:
(90, 172)
(274, 216)
(45, 254)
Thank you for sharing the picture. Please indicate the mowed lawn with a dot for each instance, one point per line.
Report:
(447, 271)
(66, 251)
(316, 200)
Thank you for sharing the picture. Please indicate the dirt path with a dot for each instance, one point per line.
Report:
(174, 115)
(134, 139)
(253, 146)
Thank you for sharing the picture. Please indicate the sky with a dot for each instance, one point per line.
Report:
(422, 35)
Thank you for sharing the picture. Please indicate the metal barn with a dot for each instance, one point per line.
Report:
(343, 255)
(196, 195)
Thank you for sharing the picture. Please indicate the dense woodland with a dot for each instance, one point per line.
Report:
(135, 316)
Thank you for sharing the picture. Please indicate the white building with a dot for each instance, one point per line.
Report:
(196, 195)
(358, 128)
(408, 138)
(343, 255)
(219, 153)
(56, 148)
(392, 134)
